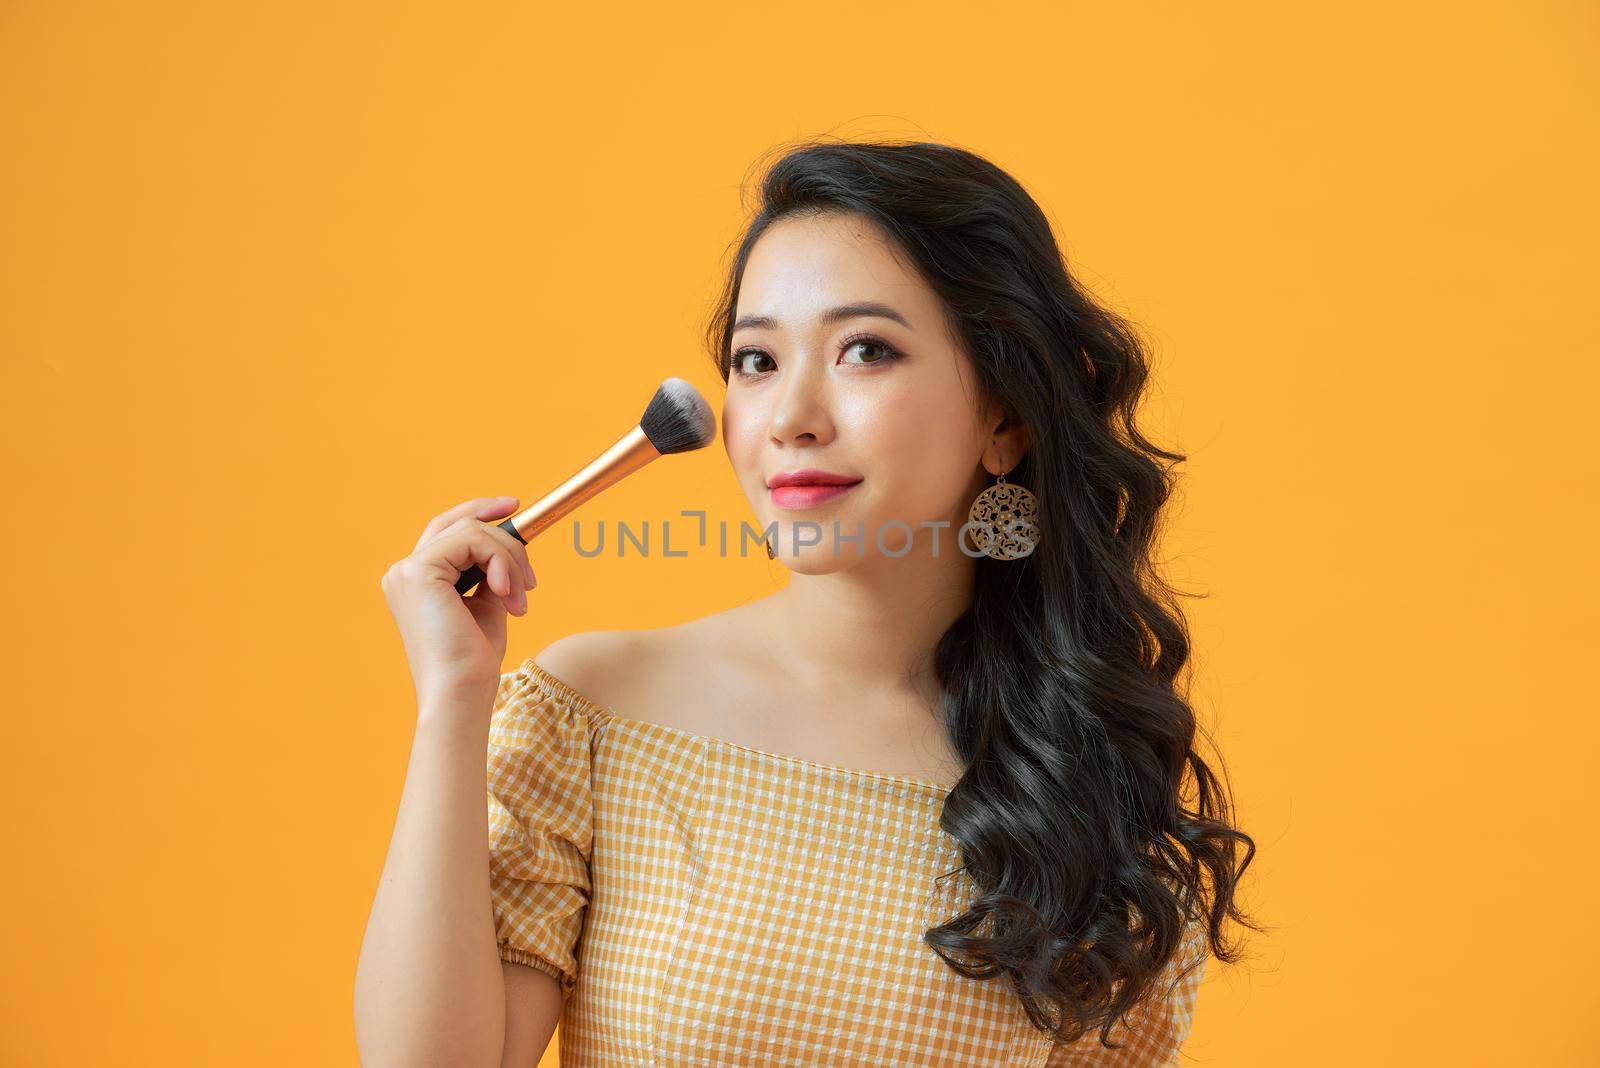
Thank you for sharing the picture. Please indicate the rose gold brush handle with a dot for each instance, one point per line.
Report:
(632, 451)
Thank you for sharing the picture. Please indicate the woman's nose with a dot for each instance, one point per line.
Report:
(801, 407)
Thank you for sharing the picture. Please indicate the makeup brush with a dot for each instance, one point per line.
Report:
(677, 419)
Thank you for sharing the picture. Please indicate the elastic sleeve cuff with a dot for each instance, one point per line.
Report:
(511, 953)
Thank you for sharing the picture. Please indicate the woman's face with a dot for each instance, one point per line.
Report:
(812, 385)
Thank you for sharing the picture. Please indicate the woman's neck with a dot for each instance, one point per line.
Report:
(870, 631)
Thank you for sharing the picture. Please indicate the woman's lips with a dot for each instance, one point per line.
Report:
(807, 496)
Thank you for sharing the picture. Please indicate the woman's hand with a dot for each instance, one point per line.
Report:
(455, 644)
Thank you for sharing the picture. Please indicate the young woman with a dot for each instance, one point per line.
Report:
(936, 802)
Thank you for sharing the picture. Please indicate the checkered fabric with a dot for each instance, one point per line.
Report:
(704, 903)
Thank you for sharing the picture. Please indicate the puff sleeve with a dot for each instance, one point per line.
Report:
(1151, 1033)
(541, 821)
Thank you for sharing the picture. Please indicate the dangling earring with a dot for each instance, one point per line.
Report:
(772, 554)
(1004, 520)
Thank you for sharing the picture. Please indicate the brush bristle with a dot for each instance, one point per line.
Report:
(678, 419)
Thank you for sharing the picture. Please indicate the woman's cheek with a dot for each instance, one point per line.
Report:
(902, 501)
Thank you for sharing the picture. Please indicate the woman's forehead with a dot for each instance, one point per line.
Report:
(802, 270)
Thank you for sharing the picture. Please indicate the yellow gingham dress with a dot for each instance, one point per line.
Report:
(704, 903)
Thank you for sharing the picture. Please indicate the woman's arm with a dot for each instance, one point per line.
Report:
(533, 1008)
(430, 986)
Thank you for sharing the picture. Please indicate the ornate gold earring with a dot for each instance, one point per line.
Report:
(772, 554)
(1004, 520)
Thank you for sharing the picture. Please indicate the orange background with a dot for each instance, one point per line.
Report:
(280, 282)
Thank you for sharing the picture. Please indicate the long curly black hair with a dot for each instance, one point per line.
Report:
(1061, 680)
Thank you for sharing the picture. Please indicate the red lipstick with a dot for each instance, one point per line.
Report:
(808, 487)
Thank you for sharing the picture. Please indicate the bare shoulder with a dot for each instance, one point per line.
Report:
(596, 663)
(663, 675)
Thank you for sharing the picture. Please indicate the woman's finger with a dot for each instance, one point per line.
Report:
(467, 543)
(519, 553)
(479, 507)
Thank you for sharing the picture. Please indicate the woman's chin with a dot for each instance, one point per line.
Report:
(825, 559)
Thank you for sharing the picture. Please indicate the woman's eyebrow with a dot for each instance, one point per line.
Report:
(860, 309)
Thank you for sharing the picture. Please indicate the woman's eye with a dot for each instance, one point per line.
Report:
(885, 352)
(739, 358)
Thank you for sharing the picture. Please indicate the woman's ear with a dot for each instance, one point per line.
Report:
(1009, 440)
(1020, 440)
